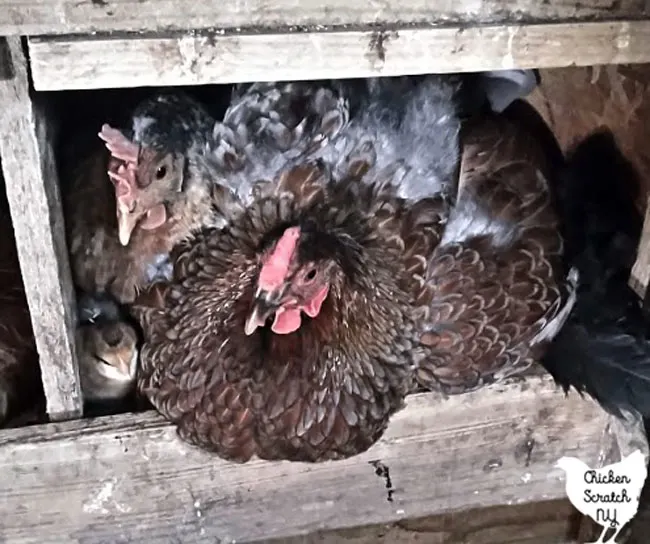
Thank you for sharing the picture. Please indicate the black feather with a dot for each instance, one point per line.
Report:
(604, 349)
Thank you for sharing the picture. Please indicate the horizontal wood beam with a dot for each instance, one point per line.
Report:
(130, 479)
(27, 153)
(83, 16)
(548, 522)
(194, 59)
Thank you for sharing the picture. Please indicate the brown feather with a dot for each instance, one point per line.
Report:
(490, 298)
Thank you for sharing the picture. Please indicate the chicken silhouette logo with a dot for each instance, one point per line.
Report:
(609, 495)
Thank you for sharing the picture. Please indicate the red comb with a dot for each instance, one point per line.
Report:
(276, 267)
(119, 145)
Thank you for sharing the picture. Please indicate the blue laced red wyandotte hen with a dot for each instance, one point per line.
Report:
(404, 253)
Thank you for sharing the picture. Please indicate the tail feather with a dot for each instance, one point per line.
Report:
(611, 366)
(604, 349)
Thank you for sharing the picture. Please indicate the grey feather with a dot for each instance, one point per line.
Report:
(411, 122)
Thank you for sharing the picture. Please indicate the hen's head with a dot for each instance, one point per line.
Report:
(149, 170)
(295, 277)
(144, 179)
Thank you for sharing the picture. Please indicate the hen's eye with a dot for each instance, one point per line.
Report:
(161, 172)
(310, 275)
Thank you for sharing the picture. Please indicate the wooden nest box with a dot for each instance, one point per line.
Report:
(128, 478)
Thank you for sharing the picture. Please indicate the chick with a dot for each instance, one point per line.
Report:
(108, 358)
(107, 347)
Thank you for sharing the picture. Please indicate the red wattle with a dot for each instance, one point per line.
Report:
(286, 321)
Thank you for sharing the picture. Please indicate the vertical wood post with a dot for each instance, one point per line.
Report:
(29, 168)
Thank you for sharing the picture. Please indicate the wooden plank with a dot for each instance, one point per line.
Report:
(32, 191)
(640, 275)
(130, 479)
(194, 59)
(547, 522)
(83, 16)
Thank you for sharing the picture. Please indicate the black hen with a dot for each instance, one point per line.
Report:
(604, 349)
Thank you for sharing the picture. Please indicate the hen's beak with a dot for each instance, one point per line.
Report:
(124, 361)
(124, 365)
(127, 220)
(263, 308)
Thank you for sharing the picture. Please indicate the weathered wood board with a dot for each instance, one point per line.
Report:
(32, 191)
(640, 275)
(130, 479)
(82, 16)
(547, 522)
(202, 58)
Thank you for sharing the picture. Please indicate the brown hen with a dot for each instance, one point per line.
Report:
(298, 330)
(326, 391)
